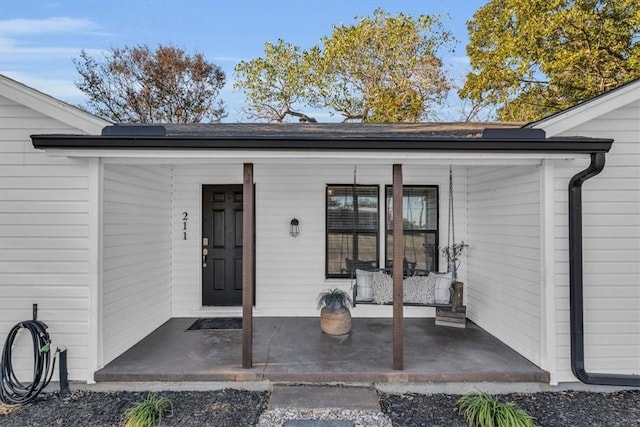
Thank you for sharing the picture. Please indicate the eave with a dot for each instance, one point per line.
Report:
(577, 145)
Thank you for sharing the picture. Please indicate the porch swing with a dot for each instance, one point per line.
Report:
(374, 286)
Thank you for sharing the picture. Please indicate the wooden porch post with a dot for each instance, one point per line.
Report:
(247, 266)
(398, 267)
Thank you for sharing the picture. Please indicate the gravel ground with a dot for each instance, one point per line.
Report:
(233, 408)
(557, 409)
(277, 417)
(225, 408)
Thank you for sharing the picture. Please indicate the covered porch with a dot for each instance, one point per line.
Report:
(149, 246)
(295, 350)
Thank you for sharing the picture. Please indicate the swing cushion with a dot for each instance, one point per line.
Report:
(420, 290)
(364, 282)
(415, 289)
(442, 285)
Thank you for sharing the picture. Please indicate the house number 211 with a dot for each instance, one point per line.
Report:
(185, 218)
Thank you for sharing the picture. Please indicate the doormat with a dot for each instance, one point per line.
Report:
(219, 323)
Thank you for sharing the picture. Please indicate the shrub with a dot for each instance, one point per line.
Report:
(148, 412)
(483, 410)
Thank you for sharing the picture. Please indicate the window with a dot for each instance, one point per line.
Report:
(352, 229)
(420, 211)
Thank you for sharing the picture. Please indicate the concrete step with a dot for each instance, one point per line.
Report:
(360, 398)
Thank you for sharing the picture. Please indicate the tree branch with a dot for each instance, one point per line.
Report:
(303, 117)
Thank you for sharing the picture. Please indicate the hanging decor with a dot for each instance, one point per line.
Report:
(453, 251)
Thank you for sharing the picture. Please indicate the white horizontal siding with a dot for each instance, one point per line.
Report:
(44, 246)
(290, 272)
(504, 294)
(611, 240)
(187, 254)
(136, 296)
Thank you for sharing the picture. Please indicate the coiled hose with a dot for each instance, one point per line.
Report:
(12, 390)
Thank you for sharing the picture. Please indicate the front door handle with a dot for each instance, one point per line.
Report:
(205, 252)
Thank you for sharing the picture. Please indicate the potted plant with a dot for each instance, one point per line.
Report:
(335, 317)
(453, 253)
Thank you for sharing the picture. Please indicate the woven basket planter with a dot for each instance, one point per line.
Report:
(335, 322)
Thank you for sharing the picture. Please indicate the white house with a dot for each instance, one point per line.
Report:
(113, 234)
(611, 238)
(46, 206)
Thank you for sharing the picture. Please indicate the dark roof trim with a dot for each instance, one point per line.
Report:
(371, 143)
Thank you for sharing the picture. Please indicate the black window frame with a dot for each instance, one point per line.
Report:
(389, 232)
(347, 274)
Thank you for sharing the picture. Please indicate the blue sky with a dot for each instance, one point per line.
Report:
(39, 39)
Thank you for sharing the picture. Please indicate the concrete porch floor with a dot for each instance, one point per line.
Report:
(295, 350)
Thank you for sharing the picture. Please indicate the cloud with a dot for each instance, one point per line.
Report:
(42, 39)
(13, 52)
(226, 59)
(24, 27)
(63, 89)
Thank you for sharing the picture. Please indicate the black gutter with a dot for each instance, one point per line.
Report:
(576, 284)
(573, 145)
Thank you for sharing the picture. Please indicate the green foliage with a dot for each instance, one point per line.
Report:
(334, 299)
(534, 58)
(276, 84)
(138, 85)
(383, 69)
(483, 410)
(149, 412)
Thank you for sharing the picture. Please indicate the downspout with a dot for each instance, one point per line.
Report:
(576, 303)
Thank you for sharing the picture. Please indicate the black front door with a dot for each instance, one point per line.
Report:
(222, 245)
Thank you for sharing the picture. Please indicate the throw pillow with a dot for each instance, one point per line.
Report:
(442, 287)
(430, 289)
(365, 286)
(414, 290)
(382, 285)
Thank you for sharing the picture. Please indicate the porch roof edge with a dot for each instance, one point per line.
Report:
(322, 142)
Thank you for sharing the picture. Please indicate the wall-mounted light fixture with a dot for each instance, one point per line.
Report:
(294, 227)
